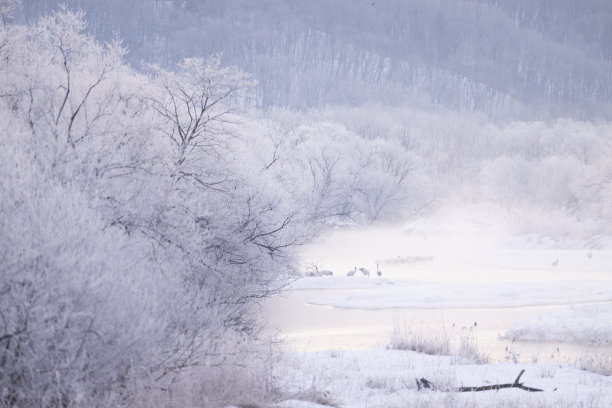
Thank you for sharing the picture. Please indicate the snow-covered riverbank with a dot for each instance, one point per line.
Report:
(385, 378)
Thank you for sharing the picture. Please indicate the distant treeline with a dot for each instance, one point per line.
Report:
(526, 58)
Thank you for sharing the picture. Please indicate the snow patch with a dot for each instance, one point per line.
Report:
(589, 325)
(436, 295)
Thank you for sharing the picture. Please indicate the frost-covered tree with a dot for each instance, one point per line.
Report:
(134, 244)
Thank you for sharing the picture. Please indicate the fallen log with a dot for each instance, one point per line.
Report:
(426, 384)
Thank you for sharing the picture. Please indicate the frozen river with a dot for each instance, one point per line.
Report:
(440, 280)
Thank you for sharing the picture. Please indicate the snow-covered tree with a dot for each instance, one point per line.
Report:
(134, 247)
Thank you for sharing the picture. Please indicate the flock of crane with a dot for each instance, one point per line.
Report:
(364, 271)
(352, 272)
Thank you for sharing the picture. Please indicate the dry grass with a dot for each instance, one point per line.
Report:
(600, 363)
(436, 342)
(468, 347)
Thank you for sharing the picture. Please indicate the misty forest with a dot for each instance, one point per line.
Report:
(184, 185)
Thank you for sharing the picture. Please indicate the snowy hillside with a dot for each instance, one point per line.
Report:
(501, 56)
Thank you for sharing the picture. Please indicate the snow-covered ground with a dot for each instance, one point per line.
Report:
(539, 304)
(387, 378)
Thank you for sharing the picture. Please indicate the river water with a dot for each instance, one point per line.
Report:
(306, 327)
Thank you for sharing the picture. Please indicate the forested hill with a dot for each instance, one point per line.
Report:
(503, 56)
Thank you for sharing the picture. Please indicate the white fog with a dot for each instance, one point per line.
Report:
(305, 204)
